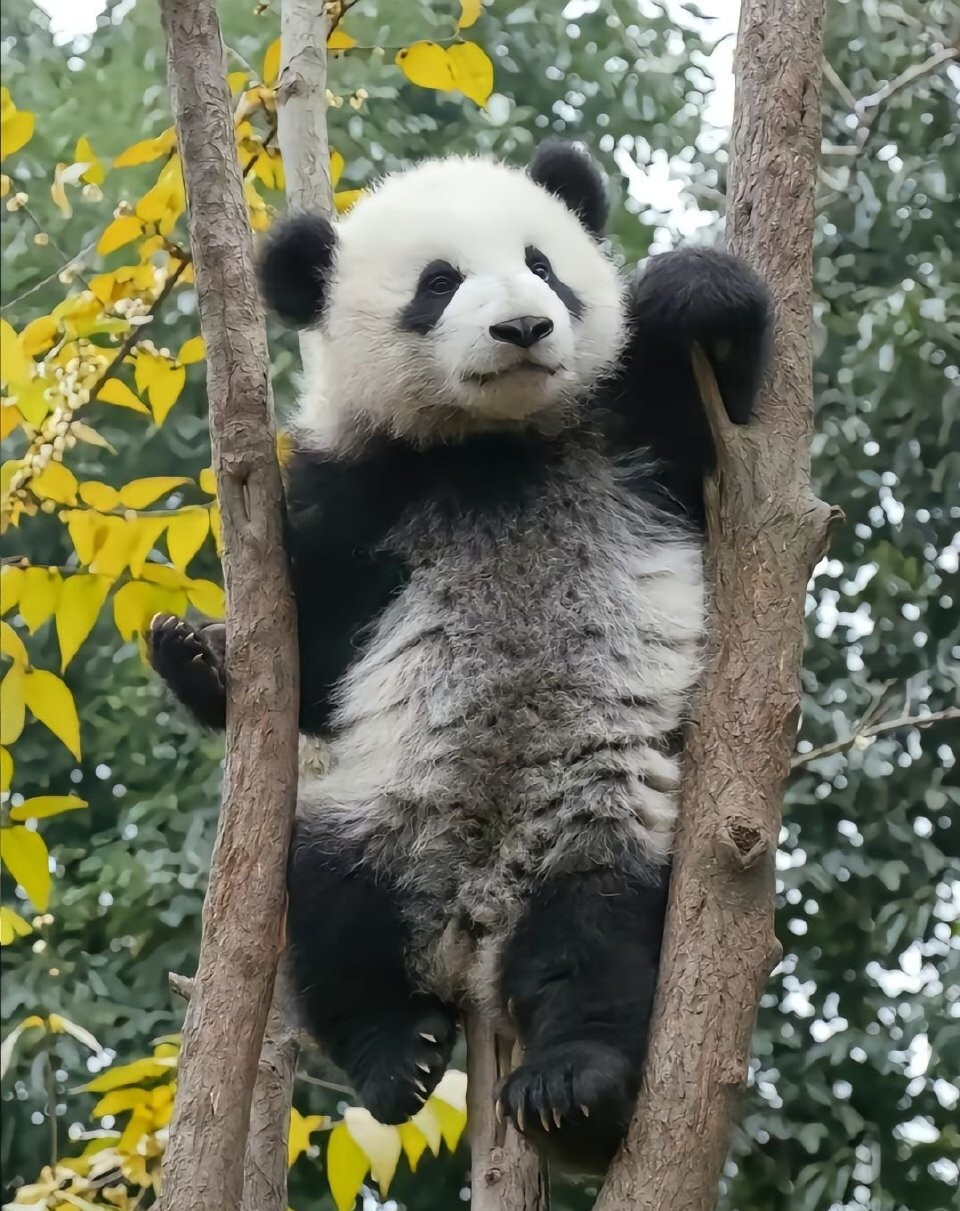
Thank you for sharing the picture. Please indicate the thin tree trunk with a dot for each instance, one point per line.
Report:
(243, 908)
(765, 532)
(505, 1173)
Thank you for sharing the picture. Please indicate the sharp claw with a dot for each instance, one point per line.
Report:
(428, 1038)
(153, 620)
(558, 1121)
(544, 1120)
(498, 1110)
(421, 1086)
(198, 659)
(420, 1100)
(520, 1123)
(423, 1067)
(584, 1111)
(170, 623)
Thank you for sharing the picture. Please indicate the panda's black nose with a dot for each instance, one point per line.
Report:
(524, 331)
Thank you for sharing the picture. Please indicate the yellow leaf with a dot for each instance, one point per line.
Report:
(64, 175)
(11, 704)
(137, 602)
(185, 535)
(347, 1166)
(470, 10)
(24, 854)
(147, 1069)
(216, 528)
(413, 1144)
(207, 597)
(81, 599)
(426, 65)
(236, 80)
(299, 1131)
(5, 184)
(340, 40)
(55, 482)
(10, 418)
(142, 492)
(147, 150)
(52, 703)
(208, 481)
(93, 174)
(39, 335)
(6, 770)
(84, 433)
(165, 576)
(41, 806)
(121, 231)
(162, 380)
(99, 496)
(12, 645)
(427, 1123)
(115, 392)
(191, 351)
(39, 596)
(347, 198)
(452, 1122)
(58, 1024)
(271, 63)
(6, 1051)
(16, 131)
(379, 1143)
(11, 585)
(15, 366)
(336, 167)
(166, 200)
(147, 531)
(472, 71)
(119, 1100)
(12, 926)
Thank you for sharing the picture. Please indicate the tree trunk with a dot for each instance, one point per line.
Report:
(766, 530)
(243, 908)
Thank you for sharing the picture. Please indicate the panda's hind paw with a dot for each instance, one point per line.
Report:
(190, 661)
(573, 1101)
(400, 1061)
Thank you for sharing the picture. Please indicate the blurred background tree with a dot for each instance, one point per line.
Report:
(853, 1098)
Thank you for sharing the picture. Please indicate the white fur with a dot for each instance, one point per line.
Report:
(366, 373)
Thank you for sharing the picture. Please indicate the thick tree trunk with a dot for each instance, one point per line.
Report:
(243, 908)
(766, 531)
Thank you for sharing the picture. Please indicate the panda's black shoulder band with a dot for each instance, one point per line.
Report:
(569, 172)
(294, 268)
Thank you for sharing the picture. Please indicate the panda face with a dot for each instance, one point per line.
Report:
(461, 296)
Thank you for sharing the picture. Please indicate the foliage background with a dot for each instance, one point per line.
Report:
(853, 1101)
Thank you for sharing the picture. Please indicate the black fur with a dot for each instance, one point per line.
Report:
(539, 264)
(569, 172)
(437, 285)
(347, 946)
(294, 268)
(579, 977)
(190, 659)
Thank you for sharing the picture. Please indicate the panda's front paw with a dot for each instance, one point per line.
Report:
(190, 661)
(573, 1101)
(399, 1061)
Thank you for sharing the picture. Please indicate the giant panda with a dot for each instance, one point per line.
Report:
(494, 513)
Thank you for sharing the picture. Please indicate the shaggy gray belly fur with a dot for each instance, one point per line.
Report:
(509, 716)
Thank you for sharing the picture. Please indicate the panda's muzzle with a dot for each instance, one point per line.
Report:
(524, 331)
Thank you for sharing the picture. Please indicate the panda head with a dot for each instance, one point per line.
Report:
(459, 295)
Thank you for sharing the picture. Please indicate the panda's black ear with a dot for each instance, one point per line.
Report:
(568, 171)
(294, 268)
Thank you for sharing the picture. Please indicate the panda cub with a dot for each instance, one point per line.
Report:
(494, 513)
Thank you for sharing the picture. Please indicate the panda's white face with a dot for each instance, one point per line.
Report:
(463, 296)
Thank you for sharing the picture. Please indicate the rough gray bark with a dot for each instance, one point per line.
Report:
(243, 908)
(505, 1174)
(301, 104)
(766, 531)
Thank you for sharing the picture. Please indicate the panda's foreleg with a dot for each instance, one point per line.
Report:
(190, 659)
(578, 978)
(347, 944)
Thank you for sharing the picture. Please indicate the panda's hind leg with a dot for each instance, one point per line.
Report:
(347, 944)
(578, 978)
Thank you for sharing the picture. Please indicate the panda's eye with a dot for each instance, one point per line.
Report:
(442, 282)
(537, 263)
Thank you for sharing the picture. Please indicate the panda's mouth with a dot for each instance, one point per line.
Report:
(527, 366)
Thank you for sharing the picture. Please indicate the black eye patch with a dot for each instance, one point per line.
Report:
(437, 285)
(537, 263)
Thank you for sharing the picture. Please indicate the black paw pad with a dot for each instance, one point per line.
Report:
(573, 1102)
(399, 1062)
(190, 661)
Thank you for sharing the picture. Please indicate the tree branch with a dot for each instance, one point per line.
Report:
(765, 530)
(868, 733)
(301, 105)
(240, 943)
